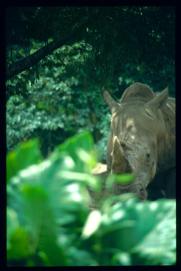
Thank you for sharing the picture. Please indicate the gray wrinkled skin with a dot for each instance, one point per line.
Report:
(142, 137)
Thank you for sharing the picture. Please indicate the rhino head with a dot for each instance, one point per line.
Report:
(136, 126)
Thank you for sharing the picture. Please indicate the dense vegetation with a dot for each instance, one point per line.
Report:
(50, 221)
(59, 60)
(107, 47)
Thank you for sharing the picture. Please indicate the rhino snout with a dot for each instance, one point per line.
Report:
(138, 189)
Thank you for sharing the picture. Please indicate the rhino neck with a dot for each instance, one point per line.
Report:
(166, 139)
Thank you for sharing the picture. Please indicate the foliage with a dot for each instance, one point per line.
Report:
(16, 160)
(49, 221)
(62, 94)
(45, 106)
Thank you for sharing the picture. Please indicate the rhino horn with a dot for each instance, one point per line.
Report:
(113, 105)
(157, 102)
(119, 162)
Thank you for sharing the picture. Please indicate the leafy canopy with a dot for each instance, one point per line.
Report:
(62, 94)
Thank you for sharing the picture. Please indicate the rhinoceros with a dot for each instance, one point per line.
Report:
(142, 140)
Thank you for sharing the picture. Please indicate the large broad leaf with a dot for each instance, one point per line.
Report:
(54, 176)
(144, 231)
(34, 229)
(45, 196)
(19, 244)
(135, 213)
(81, 150)
(159, 245)
(41, 222)
(73, 160)
(25, 154)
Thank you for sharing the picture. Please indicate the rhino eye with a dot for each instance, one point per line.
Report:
(147, 155)
(123, 145)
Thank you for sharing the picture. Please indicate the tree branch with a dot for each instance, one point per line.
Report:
(29, 61)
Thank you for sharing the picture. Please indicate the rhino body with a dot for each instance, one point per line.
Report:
(142, 140)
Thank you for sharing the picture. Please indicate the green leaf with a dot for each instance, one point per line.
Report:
(24, 155)
(124, 228)
(19, 244)
(92, 224)
(12, 223)
(123, 179)
(37, 205)
(164, 234)
(80, 149)
(122, 258)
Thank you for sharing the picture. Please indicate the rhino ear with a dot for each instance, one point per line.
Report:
(158, 101)
(113, 105)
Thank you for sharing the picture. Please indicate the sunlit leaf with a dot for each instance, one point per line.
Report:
(25, 154)
(92, 223)
(80, 148)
